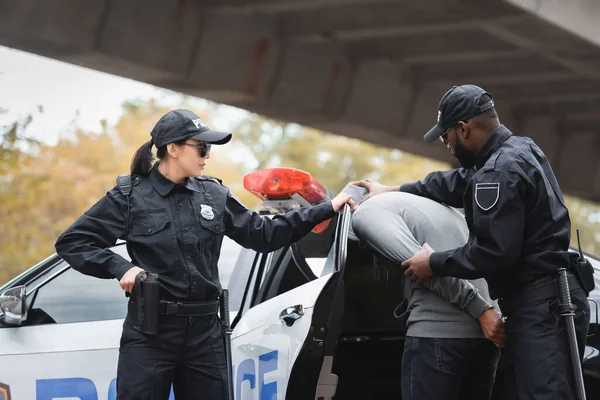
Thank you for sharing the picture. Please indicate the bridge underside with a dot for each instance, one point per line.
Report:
(369, 69)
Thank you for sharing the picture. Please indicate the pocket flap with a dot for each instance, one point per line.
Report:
(215, 225)
(149, 225)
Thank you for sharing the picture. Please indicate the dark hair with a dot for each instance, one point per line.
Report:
(143, 159)
(491, 113)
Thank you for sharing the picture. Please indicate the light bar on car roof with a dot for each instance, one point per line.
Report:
(283, 183)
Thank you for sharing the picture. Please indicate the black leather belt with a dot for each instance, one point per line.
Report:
(540, 289)
(189, 309)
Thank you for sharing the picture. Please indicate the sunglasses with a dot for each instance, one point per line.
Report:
(203, 148)
(443, 135)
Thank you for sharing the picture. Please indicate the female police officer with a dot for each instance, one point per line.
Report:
(174, 222)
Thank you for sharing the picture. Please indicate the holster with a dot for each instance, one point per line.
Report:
(584, 272)
(146, 292)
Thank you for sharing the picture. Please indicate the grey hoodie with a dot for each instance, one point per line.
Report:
(397, 225)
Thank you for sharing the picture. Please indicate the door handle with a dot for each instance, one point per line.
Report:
(289, 315)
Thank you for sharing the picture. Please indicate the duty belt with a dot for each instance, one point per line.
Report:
(189, 309)
(540, 289)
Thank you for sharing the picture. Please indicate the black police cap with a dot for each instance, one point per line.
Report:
(461, 103)
(183, 124)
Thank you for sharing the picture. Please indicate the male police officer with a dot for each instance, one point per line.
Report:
(519, 236)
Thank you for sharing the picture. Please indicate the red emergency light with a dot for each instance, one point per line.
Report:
(282, 183)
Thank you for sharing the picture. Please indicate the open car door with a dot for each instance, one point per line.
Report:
(281, 328)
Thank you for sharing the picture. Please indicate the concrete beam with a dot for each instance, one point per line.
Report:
(382, 18)
(52, 27)
(536, 91)
(380, 97)
(517, 40)
(312, 77)
(493, 70)
(577, 16)
(237, 57)
(560, 108)
(425, 108)
(278, 6)
(132, 32)
(461, 40)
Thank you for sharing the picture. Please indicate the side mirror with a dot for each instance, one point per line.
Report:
(13, 306)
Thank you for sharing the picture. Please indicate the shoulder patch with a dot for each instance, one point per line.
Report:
(210, 178)
(487, 195)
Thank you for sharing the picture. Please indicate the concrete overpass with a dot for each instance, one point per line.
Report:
(370, 69)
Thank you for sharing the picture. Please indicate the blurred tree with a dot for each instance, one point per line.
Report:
(43, 189)
(333, 160)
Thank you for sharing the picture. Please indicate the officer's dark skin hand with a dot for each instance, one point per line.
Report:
(492, 326)
(417, 267)
(128, 280)
(374, 188)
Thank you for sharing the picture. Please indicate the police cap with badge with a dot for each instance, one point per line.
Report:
(181, 124)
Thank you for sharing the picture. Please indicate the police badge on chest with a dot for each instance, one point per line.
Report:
(206, 212)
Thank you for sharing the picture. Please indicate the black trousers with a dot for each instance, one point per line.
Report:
(187, 352)
(448, 369)
(536, 356)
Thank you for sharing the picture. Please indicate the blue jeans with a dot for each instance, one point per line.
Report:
(448, 369)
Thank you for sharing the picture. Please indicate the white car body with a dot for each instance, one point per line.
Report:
(300, 331)
(76, 357)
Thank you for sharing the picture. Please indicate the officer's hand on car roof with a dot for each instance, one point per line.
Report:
(417, 267)
(374, 188)
(341, 199)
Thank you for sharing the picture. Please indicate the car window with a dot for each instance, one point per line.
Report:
(75, 297)
(71, 296)
(288, 268)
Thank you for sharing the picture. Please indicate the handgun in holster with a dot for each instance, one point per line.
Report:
(583, 270)
(146, 293)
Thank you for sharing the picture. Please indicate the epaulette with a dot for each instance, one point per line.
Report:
(210, 178)
(490, 165)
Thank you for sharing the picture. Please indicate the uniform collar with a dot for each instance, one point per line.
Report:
(497, 137)
(162, 184)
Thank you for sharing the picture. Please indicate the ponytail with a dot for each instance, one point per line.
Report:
(143, 160)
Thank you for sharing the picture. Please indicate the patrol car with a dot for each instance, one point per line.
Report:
(313, 320)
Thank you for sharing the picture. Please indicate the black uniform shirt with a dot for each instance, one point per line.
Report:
(176, 231)
(518, 221)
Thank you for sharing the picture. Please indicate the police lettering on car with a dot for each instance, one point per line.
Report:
(519, 238)
(174, 220)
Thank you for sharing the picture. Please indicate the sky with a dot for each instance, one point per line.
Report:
(72, 95)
